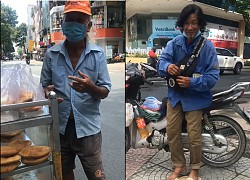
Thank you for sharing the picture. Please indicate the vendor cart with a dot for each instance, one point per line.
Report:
(47, 116)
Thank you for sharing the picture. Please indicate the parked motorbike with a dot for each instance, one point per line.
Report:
(28, 61)
(223, 139)
(149, 71)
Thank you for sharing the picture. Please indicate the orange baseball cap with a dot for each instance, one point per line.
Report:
(78, 6)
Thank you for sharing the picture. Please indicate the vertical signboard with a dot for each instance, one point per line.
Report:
(109, 52)
(31, 45)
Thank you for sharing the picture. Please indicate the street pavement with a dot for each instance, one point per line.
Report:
(152, 164)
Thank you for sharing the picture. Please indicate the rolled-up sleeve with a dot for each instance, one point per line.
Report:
(46, 76)
(103, 73)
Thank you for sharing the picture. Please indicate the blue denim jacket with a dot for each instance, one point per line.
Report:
(55, 71)
(198, 95)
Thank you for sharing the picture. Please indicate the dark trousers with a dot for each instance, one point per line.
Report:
(88, 149)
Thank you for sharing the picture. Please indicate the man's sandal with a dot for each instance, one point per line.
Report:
(189, 178)
(175, 178)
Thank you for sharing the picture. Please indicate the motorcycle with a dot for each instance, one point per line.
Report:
(223, 139)
(149, 68)
(27, 61)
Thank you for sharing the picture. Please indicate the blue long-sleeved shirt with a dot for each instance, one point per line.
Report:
(55, 71)
(198, 95)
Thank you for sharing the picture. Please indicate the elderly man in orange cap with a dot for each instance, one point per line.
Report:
(76, 69)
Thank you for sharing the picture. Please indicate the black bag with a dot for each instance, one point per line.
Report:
(187, 65)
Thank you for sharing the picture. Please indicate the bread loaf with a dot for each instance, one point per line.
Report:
(11, 134)
(5, 139)
(30, 109)
(10, 160)
(9, 167)
(7, 151)
(20, 144)
(34, 161)
(26, 96)
(32, 152)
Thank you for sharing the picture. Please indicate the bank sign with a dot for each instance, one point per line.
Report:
(164, 25)
(163, 29)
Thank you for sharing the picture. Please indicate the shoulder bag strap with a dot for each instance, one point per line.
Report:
(196, 51)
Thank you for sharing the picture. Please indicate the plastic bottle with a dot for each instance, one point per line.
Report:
(142, 128)
(141, 125)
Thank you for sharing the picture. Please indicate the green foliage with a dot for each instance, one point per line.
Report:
(243, 7)
(20, 35)
(8, 23)
(8, 15)
(20, 51)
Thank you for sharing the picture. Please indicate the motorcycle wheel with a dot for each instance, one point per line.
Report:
(235, 137)
(127, 140)
(27, 61)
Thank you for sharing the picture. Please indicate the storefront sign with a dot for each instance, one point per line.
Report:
(222, 36)
(163, 29)
(164, 25)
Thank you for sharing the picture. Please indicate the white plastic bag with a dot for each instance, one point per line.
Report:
(129, 114)
(17, 85)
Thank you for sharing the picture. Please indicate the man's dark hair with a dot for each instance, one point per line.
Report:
(187, 11)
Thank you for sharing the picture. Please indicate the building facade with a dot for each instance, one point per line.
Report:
(153, 25)
(108, 25)
(29, 46)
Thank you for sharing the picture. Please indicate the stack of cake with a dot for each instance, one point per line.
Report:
(11, 136)
(33, 155)
(10, 159)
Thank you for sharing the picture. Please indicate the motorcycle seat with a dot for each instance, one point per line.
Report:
(227, 93)
(223, 97)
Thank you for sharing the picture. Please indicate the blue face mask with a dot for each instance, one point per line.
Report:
(198, 33)
(74, 31)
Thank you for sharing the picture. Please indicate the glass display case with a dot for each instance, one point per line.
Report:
(13, 118)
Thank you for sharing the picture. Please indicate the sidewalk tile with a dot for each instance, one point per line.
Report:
(212, 173)
(246, 172)
(240, 177)
(242, 165)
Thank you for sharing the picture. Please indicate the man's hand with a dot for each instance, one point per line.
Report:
(51, 88)
(183, 81)
(173, 70)
(81, 84)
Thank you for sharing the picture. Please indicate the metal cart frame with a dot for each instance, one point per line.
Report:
(23, 123)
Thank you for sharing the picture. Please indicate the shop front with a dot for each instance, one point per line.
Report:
(223, 36)
(108, 25)
(151, 24)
